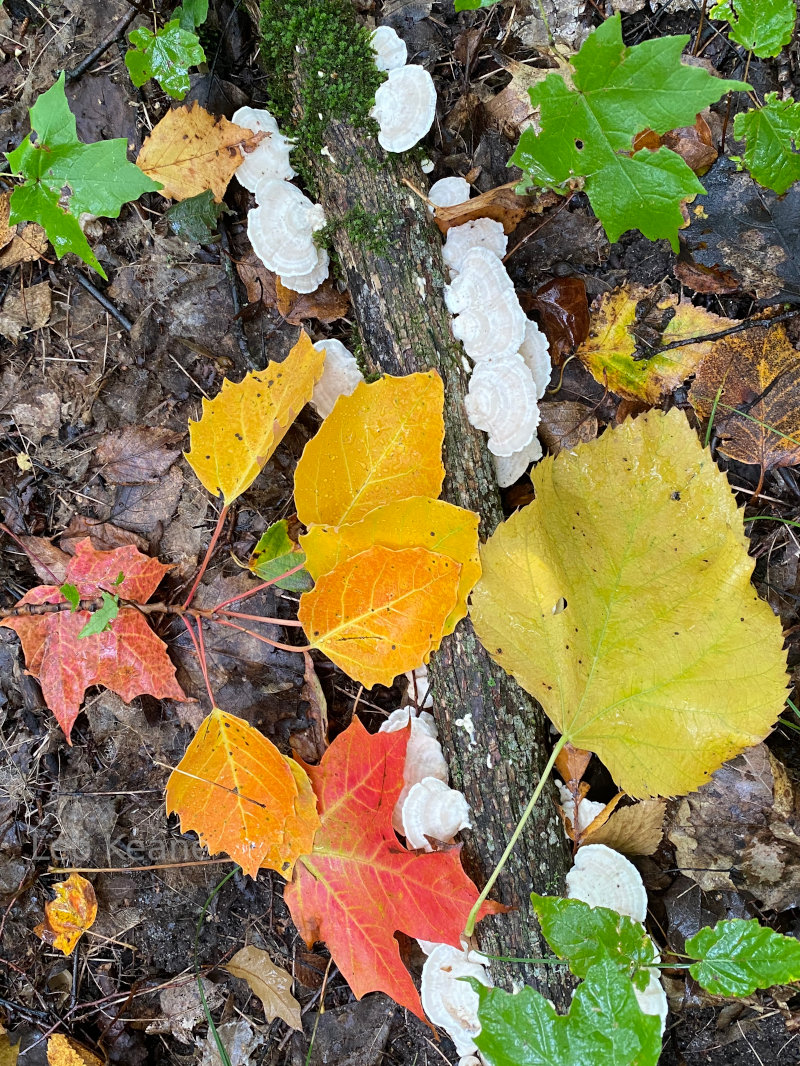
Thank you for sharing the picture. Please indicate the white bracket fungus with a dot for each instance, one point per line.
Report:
(340, 375)
(310, 282)
(424, 755)
(269, 158)
(489, 321)
(449, 192)
(281, 228)
(535, 350)
(405, 106)
(588, 810)
(480, 233)
(433, 809)
(509, 468)
(449, 1001)
(602, 877)
(390, 49)
(502, 401)
(419, 687)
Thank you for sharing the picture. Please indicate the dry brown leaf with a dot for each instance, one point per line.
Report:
(326, 304)
(758, 371)
(62, 1051)
(694, 144)
(137, 455)
(511, 109)
(25, 310)
(566, 424)
(572, 762)
(309, 744)
(105, 536)
(6, 232)
(190, 151)
(501, 204)
(634, 830)
(270, 983)
(23, 243)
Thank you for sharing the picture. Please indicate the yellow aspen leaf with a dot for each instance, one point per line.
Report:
(621, 599)
(190, 151)
(416, 522)
(613, 356)
(69, 915)
(245, 422)
(381, 612)
(380, 444)
(241, 796)
(62, 1051)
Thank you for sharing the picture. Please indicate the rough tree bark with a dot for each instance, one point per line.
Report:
(494, 735)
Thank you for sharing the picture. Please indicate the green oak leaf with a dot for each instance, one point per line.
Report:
(738, 956)
(65, 177)
(195, 219)
(772, 136)
(102, 618)
(584, 935)
(191, 14)
(761, 26)
(166, 56)
(274, 554)
(605, 1025)
(587, 132)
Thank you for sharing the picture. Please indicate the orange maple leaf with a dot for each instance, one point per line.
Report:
(69, 915)
(127, 658)
(360, 885)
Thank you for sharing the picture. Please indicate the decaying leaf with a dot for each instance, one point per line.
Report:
(190, 151)
(381, 612)
(24, 243)
(360, 885)
(633, 830)
(136, 455)
(25, 310)
(566, 424)
(245, 422)
(269, 982)
(563, 312)
(69, 915)
(694, 144)
(63, 1051)
(382, 443)
(326, 303)
(621, 599)
(241, 796)
(637, 371)
(502, 204)
(128, 657)
(758, 371)
(419, 521)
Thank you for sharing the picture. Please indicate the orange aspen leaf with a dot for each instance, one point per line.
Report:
(380, 444)
(241, 796)
(381, 612)
(245, 422)
(127, 658)
(418, 522)
(69, 915)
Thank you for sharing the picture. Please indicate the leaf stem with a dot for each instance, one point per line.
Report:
(264, 640)
(259, 588)
(215, 537)
(469, 928)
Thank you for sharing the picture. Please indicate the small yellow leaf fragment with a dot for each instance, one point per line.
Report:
(69, 915)
(243, 425)
(417, 522)
(61, 1051)
(270, 983)
(381, 444)
(381, 612)
(242, 796)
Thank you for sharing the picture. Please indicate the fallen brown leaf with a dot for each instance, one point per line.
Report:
(563, 312)
(326, 304)
(633, 830)
(565, 424)
(24, 243)
(502, 204)
(271, 984)
(25, 310)
(136, 455)
(694, 144)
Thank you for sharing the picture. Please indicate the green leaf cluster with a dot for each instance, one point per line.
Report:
(65, 178)
(772, 135)
(587, 132)
(165, 55)
(763, 27)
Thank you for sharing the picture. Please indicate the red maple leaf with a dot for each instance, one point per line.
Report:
(128, 658)
(360, 884)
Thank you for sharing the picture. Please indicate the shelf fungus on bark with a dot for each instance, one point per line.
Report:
(405, 106)
(270, 157)
(535, 350)
(389, 48)
(311, 281)
(282, 227)
(449, 192)
(433, 810)
(502, 401)
(489, 320)
(480, 233)
(340, 376)
(450, 1002)
(424, 755)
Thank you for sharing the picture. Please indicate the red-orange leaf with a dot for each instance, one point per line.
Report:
(128, 658)
(360, 884)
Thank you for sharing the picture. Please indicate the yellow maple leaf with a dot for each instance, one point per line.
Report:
(69, 915)
(245, 422)
(241, 796)
(621, 599)
(380, 444)
(190, 151)
(416, 522)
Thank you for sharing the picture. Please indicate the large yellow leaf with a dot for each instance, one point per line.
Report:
(621, 599)
(244, 423)
(633, 370)
(417, 522)
(381, 612)
(383, 443)
(241, 796)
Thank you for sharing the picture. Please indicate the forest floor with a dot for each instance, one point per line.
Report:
(175, 320)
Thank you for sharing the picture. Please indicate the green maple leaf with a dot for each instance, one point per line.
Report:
(191, 14)
(166, 56)
(64, 177)
(605, 1025)
(761, 26)
(587, 132)
(739, 956)
(772, 135)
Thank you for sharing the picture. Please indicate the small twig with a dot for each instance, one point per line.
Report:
(259, 588)
(747, 323)
(108, 40)
(103, 301)
(130, 869)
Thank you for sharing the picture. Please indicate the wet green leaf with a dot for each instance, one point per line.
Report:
(737, 957)
(772, 134)
(166, 56)
(762, 26)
